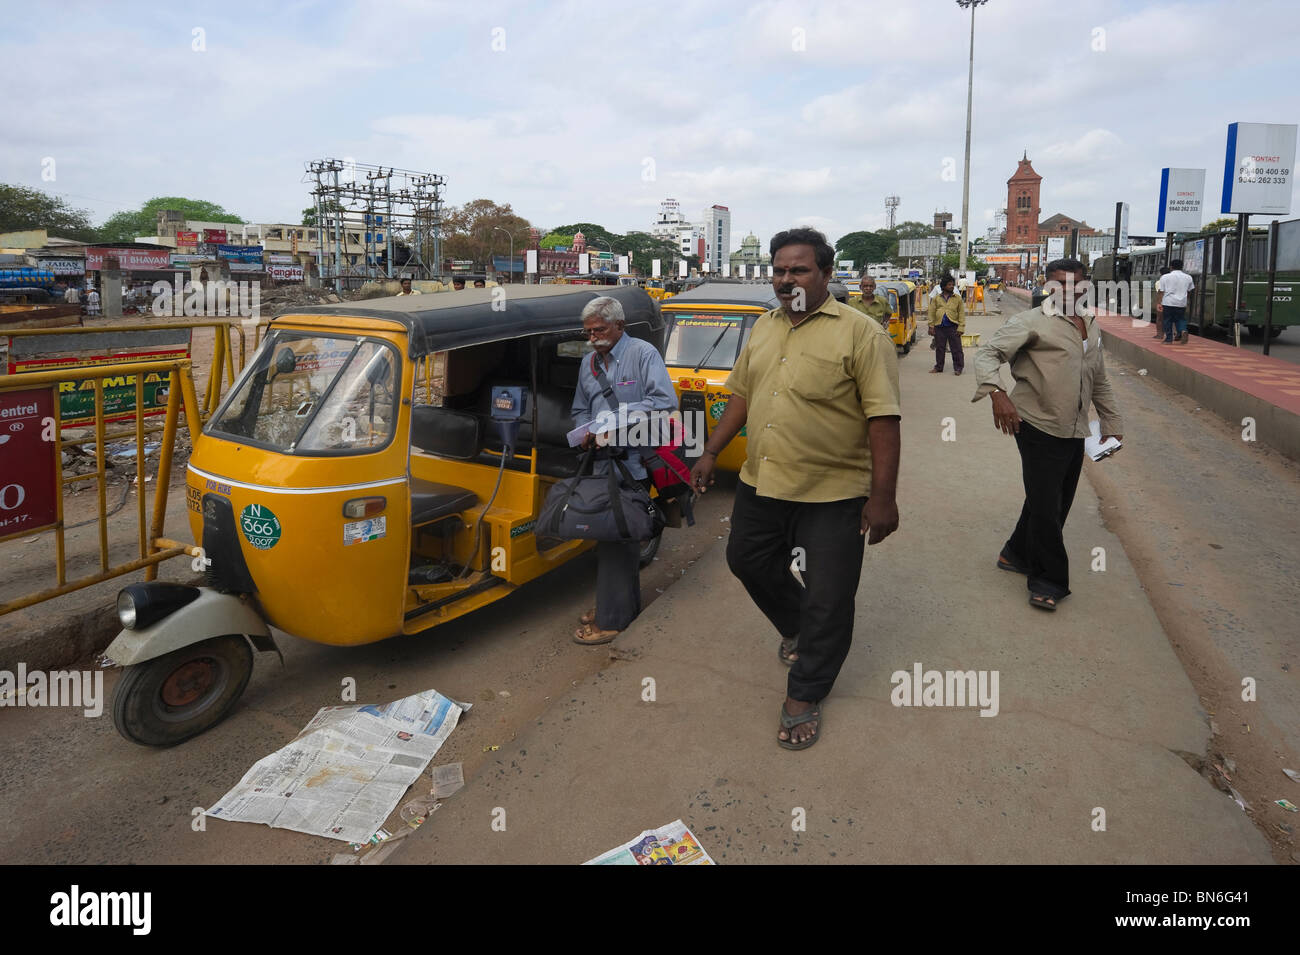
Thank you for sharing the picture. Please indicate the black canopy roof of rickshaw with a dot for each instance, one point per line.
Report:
(727, 293)
(441, 321)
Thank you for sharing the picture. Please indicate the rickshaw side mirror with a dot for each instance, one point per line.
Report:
(285, 361)
(443, 431)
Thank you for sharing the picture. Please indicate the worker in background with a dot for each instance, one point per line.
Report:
(871, 304)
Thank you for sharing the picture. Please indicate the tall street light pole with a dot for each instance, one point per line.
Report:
(965, 188)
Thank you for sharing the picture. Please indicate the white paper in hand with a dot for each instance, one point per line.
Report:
(1097, 448)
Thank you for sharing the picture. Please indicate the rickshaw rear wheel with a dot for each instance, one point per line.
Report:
(649, 549)
(167, 700)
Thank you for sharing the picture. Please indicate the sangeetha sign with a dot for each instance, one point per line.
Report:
(1259, 168)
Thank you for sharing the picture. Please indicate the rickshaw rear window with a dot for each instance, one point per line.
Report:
(707, 341)
(311, 394)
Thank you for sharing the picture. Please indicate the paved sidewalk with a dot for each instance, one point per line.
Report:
(1094, 708)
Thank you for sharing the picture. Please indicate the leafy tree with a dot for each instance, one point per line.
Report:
(126, 226)
(865, 248)
(912, 230)
(309, 214)
(22, 209)
(641, 246)
(949, 261)
(1219, 224)
(556, 239)
(469, 231)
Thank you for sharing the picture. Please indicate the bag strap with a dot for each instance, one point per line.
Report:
(616, 502)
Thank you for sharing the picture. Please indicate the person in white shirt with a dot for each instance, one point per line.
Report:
(1159, 309)
(72, 296)
(1174, 290)
(92, 302)
(406, 288)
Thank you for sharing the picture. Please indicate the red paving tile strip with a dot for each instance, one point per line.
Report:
(1264, 377)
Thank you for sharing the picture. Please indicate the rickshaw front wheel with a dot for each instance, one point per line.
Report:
(167, 700)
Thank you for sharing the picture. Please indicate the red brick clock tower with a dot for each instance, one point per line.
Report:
(1022, 205)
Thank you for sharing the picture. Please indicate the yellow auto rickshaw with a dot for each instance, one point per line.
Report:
(377, 469)
(902, 299)
(707, 327)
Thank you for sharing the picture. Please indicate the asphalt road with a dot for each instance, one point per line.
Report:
(76, 792)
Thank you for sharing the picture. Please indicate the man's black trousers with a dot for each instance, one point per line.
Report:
(1050, 468)
(765, 532)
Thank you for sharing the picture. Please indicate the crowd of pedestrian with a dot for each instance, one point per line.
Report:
(816, 391)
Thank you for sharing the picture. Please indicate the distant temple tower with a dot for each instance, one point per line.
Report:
(1022, 204)
(579, 243)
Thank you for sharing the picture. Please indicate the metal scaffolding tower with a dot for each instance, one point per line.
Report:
(891, 207)
(360, 205)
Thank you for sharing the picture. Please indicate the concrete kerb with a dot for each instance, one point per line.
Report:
(71, 628)
(1274, 426)
(67, 629)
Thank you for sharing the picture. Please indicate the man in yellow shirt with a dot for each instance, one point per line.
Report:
(406, 288)
(816, 387)
(871, 304)
(947, 323)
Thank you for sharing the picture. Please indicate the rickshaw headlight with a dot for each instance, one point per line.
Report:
(126, 610)
(142, 605)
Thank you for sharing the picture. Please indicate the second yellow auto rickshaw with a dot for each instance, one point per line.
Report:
(707, 327)
(377, 469)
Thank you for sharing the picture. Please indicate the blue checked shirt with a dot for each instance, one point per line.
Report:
(639, 377)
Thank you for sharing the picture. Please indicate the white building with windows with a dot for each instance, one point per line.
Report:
(717, 237)
(673, 227)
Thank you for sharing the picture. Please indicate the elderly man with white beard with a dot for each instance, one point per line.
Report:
(639, 380)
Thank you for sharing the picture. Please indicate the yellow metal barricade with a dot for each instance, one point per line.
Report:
(153, 548)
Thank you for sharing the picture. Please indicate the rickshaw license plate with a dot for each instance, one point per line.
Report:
(358, 532)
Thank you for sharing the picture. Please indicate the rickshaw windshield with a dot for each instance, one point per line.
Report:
(704, 341)
(312, 394)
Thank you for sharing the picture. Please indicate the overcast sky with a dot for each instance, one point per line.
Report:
(790, 113)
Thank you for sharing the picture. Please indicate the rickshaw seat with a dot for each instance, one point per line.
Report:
(430, 500)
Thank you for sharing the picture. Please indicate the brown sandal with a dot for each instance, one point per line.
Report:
(602, 636)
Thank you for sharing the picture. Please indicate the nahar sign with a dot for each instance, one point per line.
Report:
(1181, 193)
(1259, 168)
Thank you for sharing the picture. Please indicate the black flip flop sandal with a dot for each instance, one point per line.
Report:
(1041, 601)
(790, 722)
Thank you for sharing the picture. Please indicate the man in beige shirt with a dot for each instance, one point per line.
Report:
(817, 389)
(1056, 358)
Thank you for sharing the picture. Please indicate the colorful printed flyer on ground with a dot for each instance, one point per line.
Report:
(672, 844)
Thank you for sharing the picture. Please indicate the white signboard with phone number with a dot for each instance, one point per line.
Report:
(1259, 168)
